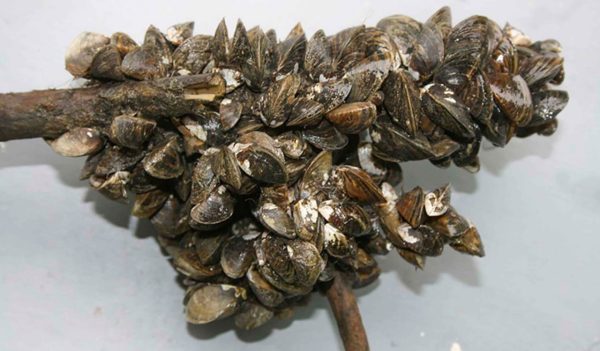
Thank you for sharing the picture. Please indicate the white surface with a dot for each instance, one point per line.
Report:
(76, 273)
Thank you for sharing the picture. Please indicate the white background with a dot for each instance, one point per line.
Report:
(77, 273)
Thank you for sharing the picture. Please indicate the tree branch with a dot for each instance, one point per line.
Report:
(345, 309)
(49, 113)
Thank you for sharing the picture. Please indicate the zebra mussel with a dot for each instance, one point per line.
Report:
(288, 168)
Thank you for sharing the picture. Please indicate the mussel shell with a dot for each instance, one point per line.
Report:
(469, 243)
(131, 131)
(230, 112)
(225, 166)
(336, 243)
(261, 163)
(193, 54)
(188, 263)
(81, 52)
(213, 301)
(276, 104)
(262, 289)
(402, 101)
(151, 60)
(331, 93)
(112, 187)
(347, 48)
(179, 33)
(437, 202)
(204, 180)
(291, 51)
(450, 224)
(347, 217)
(512, 95)
(237, 256)
(292, 266)
(123, 43)
(547, 104)
(147, 204)
(117, 159)
(306, 218)
(446, 110)
(354, 117)
(305, 112)
(165, 160)
(318, 60)
(216, 208)
(171, 220)
(499, 130)
(221, 45)
(276, 219)
(411, 206)
(412, 257)
(358, 185)
(325, 137)
(540, 69)
(316, 174)
(208, 247)
(441, 20)
(252, 315)
(392, 144)
(77, 142)
(292, 144)
(422, 240)
(107, 64)
(477, 96)
(468, 46)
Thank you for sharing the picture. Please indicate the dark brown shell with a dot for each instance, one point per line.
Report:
(402, 101)
(411, 206)
(165, 161)
(193, 54)
(131, 131)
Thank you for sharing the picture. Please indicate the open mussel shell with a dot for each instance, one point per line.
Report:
(411, 206)
(347, 217)
(237, 256)
(446, 110)
(210, 302)
(252, 315)
(131, 131)
(148, 203)
(77, 142)
(354, 117)
(81, 52)
(437, 201)
(216, 208)
(165, 160)
(113, 187)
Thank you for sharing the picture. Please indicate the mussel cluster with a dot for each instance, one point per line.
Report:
(286, 171)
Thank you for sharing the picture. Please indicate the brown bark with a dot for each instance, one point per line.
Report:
(345, 309)
(49, 113)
